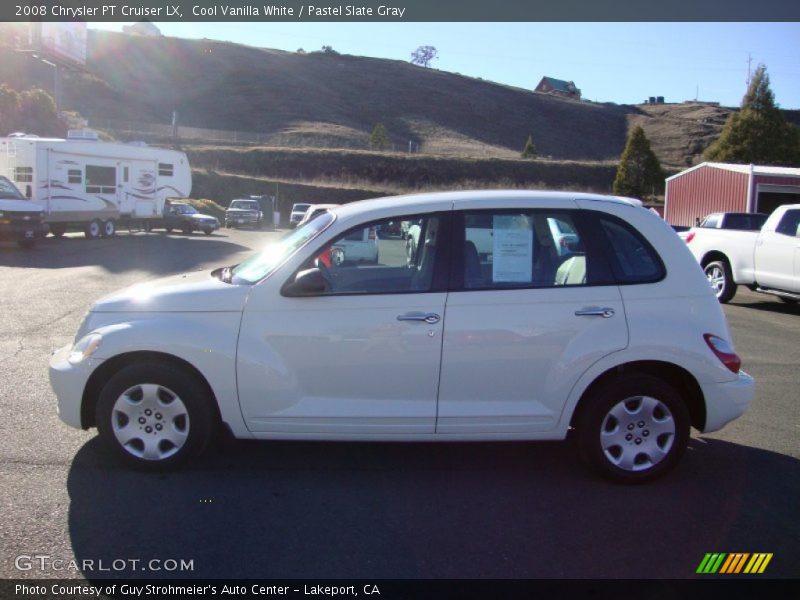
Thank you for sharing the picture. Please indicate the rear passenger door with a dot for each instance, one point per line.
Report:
(777, 254)
(526, 316)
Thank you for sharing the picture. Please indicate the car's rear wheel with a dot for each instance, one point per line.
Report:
(719, 277)
(154, 416)
(633, 429)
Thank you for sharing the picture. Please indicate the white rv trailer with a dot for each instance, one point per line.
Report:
(94, 185)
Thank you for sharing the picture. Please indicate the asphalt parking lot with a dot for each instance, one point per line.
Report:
(348, 510)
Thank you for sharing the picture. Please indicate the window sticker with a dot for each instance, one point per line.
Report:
(512, 249)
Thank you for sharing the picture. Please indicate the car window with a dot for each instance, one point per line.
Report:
(8, 190)
(522, 249)
(790, 222)
(361, 261)
(745, 222)
(632, 258)
(711, 221)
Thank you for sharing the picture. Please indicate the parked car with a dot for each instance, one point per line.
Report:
(244, 211)
(534, 346)
(185, 217)
(314, 211)
(21, 220)
(358, 245)
(765, 261)
(298, 211)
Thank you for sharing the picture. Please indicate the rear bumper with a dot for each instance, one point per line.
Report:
(727, 401)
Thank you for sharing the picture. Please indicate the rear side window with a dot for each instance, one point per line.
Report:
(632, 258)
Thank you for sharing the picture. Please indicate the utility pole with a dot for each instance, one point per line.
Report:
(749, 62)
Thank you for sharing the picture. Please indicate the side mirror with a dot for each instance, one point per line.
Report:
(309, 282)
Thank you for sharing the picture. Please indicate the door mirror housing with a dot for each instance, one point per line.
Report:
(309, 282)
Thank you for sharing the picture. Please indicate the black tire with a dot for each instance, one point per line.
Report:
(641, 454)
(788, 300)
(200, 423)
(93, 229)
(109, 229)
(187, 229)
(58, 229)
(208, 231)
(168, 229)
(26, 243)
(719, 276)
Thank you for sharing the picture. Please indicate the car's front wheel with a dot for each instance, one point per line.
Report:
(633, 429)
(155, 416)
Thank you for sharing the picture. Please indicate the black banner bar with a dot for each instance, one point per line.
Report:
(400, 10)
(731, 588)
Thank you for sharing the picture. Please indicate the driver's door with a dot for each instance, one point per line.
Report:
(360, 358)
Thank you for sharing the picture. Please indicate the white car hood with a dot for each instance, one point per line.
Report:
(19, 206)
(190, 292)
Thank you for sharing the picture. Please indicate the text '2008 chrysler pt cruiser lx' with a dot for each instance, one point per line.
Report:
(489, 331)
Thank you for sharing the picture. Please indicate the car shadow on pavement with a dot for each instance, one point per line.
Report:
(457, 510)
(152, 252)
(773, 306)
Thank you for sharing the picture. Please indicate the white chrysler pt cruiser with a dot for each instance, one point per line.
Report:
(492, 329)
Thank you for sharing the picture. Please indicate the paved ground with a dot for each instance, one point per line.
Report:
(312, 510)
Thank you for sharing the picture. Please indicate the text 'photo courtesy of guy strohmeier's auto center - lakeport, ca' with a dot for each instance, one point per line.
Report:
(453, 301)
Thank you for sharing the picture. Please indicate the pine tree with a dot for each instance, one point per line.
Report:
(639, 171)
(529, 151)
(758, 133)
(379, 138)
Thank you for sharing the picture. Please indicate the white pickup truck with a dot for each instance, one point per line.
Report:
(765, 261)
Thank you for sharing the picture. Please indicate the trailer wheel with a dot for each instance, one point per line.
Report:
(109, 228)
(93, 230)
(58, 229)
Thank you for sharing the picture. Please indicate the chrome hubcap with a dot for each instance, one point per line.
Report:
(150, 421)
(637, 433)
(716, 278)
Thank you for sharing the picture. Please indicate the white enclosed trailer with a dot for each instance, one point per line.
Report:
(93, 185)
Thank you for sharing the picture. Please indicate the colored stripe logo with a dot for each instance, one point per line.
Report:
(734, 563)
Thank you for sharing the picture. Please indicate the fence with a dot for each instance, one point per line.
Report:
(129, 128)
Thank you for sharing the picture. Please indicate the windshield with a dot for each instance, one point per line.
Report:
(245, 205)
(8, 191)
(262, 264)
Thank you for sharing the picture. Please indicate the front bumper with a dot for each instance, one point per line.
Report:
(68, 382)
(727, 401)
(22, 230)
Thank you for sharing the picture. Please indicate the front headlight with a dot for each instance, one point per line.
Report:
(84, 348)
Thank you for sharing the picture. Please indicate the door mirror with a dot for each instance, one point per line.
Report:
(309, 282)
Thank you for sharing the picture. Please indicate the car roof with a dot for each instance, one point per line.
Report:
(467, 199)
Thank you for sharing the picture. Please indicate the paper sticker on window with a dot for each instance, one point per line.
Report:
(513, 249)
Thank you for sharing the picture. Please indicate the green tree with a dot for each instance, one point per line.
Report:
(529, 151)
(379, 138)
(37, 113)
(758, 133)
(639, 171)
(424, 55)
(9, 109)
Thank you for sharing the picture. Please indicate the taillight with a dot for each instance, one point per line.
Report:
(373, 235)
(723, 351)
(690, 237)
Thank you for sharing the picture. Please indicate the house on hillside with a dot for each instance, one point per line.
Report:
(143, 27)
(557, 87)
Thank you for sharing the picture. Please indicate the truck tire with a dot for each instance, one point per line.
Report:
(109, 229)
(718, 273)
(93, 229)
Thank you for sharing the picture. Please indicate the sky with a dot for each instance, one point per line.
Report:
(610, 62)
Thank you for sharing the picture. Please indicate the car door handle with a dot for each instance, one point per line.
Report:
(595, 312)
(429, 318)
